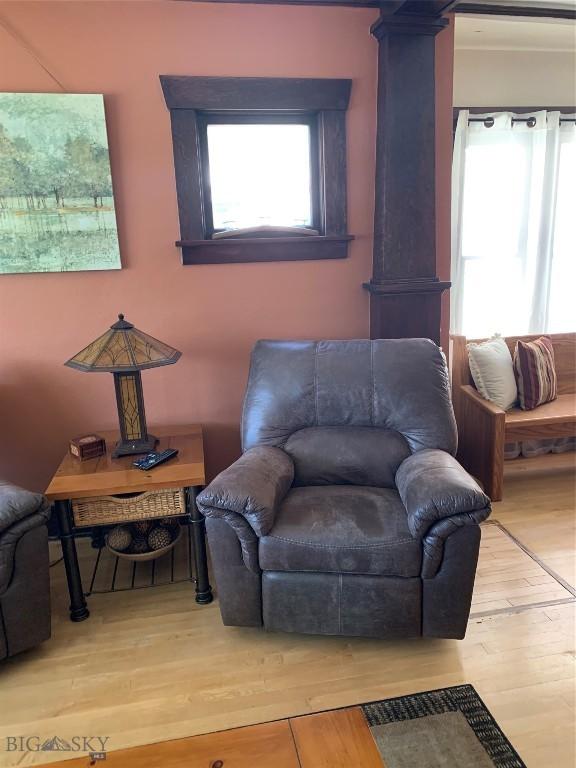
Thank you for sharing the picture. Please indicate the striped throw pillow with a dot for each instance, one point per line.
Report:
(535, 372)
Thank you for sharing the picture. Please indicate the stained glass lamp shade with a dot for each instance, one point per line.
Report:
(125, 351)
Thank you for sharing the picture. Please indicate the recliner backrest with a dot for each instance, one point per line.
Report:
(390, 385)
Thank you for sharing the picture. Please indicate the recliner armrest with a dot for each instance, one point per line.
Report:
(252, 487)
(433, 486)
(17, 504)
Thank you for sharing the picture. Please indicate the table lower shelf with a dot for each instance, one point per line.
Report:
(103, 572)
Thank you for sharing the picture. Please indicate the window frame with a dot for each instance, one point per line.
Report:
(195, 101)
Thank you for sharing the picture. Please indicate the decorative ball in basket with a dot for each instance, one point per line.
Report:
(142, 541)
(120, 538)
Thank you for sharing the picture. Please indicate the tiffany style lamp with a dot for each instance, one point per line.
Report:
(125, 351)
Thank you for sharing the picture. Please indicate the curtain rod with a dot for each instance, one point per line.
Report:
(530, 121)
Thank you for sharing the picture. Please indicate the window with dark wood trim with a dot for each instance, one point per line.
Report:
(197, 102)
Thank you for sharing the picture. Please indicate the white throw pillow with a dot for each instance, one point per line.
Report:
(493, 371)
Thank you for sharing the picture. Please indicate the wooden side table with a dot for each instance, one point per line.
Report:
(105, 476)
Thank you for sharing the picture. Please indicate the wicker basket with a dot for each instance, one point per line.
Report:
(103, 510)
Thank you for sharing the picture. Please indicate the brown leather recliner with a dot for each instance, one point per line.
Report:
(24, 570)
(347, 513)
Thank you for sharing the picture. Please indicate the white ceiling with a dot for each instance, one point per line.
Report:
(506, 33)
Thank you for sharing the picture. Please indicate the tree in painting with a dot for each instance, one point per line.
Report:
(56, 202)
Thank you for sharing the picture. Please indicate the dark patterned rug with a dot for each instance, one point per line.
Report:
(447, 728)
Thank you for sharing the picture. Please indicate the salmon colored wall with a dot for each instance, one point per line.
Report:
(212, 313)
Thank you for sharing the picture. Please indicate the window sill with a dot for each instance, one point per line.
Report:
(241, 250)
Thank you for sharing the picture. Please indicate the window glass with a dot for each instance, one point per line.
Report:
(259, 175)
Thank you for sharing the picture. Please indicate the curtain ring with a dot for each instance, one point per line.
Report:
(531, 122)
(488, 122)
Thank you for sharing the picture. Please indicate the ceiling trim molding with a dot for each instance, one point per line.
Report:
(514, 10)
(422, 7)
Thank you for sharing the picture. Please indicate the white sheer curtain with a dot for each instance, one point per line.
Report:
(513, 224)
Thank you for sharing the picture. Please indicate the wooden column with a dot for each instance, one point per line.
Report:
(405, 293)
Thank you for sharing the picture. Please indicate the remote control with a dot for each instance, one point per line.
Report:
(152, 460)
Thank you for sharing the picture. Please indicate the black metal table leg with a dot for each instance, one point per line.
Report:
(203, 588)
(78, 608)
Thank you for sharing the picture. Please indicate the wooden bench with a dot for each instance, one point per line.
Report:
(484, 428)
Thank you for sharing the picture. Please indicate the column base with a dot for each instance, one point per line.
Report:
(406, 309)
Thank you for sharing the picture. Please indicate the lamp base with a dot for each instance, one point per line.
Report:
(132, 447)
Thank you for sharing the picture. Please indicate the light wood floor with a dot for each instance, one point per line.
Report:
(151, 665)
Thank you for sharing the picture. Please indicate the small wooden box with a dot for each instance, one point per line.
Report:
(87, 447)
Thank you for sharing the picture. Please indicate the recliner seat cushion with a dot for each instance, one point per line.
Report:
(353, 455)
(341, 529)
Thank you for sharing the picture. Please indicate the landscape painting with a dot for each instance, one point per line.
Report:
(56, 203)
